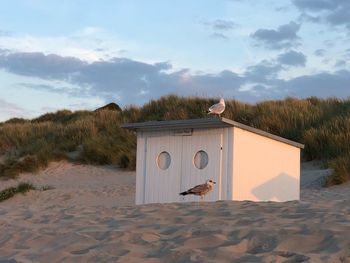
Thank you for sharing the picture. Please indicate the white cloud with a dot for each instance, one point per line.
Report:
(89, 44)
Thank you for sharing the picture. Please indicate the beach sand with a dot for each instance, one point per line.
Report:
(90, 216)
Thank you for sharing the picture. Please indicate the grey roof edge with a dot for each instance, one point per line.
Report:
(204, 123)
(176, 124)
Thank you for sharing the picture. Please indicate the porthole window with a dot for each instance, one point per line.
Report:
(163, 160)
(200, 160)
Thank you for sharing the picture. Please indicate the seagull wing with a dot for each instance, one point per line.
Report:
(201, 189)
(217, 108)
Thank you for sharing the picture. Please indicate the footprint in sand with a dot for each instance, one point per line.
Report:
(149, 237)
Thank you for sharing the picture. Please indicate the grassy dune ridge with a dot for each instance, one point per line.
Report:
(323, 125)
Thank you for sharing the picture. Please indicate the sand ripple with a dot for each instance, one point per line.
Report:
(91, 222)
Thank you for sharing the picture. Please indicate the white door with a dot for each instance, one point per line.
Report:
(177, 163)
(163, 169)
(202, 160)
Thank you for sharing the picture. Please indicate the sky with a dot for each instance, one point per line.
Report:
(75, 54)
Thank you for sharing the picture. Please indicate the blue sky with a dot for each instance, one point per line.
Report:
(82, 54)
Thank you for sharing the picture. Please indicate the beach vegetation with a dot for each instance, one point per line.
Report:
(323, 125)
(9, 192)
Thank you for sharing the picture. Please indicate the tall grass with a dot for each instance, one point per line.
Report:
(30, 145)
(323, 125)
(341, 167)
(11, 191)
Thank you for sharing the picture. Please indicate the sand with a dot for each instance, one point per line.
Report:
(90, 217)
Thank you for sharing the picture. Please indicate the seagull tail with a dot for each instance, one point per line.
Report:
(184, 193)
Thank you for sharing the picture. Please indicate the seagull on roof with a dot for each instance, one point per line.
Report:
(201, 189)
(217, 108)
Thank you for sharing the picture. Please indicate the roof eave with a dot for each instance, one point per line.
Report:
(203, 123)
(177, 124)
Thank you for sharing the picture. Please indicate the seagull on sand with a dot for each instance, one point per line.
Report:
(201, 189)
(217, 108)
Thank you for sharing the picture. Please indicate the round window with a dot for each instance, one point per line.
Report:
(200, 160)
(163, 160)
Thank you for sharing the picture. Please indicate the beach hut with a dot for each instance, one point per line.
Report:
(246, 163)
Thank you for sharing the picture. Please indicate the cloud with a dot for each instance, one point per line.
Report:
(332, 12)
(263, 80)
(316, 5)
(309, 18)
(222, 24)
(263, 72)
(40, 65)
(341, 16)
(121, 79)
(5, 33)
(89, 44)
(223, 83)
(320, 52)
(220, 27)
(283, 8)
(128, 81)
(120, 76)
(322, 84)
(58, 89)
(340, 63)
(347, 54)
(285, 36)
(219, 36)
(10, 109)
(292, 58)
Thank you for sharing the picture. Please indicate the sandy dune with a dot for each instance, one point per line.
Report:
(78, 185)
(90, 217)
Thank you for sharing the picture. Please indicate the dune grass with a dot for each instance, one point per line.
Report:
(341, 171)
(12, 191)
(29, 146)
(323, 125)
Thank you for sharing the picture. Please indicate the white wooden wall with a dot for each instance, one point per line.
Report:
(227, 165)
(141, 161)
(248, 167)
(264, 169)
(210, 141)
(140, 167)
(155, 185)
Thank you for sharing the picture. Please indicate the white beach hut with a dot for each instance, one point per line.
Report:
(246, 163)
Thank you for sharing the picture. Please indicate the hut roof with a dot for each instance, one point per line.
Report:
(203, 123)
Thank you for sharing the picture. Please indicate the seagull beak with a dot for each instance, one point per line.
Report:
(214, 182)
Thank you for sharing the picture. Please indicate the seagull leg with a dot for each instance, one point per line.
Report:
(202, 200)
